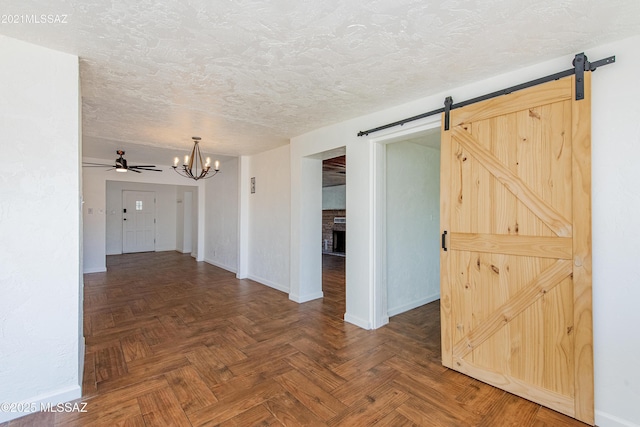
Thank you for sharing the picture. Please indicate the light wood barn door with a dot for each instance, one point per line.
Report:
(516, 275)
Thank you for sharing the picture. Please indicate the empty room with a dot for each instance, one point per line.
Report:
(319, 213)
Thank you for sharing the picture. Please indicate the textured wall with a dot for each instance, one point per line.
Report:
(269, 213)
(39, 226)
(413, 226)
(616, 248)
(186, 226)
(221, 217)
(180, 225)
(334, 197)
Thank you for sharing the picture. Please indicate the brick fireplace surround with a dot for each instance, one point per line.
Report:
(328, 227)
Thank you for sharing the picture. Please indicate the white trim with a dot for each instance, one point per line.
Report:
(396, 134)
(62, 395)
(219, 265)
(414, 304)
(357, 321)
(269, 283)
(95, 270)
(163, 249)
(305, 298)
(604, 419)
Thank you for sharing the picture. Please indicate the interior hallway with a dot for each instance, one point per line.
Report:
(174, 342)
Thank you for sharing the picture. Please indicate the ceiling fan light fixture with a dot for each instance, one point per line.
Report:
(194, 167)
(121, 163)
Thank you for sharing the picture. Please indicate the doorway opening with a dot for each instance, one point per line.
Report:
(406, 221)
(334, 231)
(170, 225)
(412, 222)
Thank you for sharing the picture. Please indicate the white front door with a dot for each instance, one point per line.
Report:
(138, 221)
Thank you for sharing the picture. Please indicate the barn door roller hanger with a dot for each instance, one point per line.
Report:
(581, 64)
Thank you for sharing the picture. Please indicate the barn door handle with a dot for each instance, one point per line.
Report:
(444, 240)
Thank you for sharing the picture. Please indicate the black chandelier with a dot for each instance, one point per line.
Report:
(193, 166)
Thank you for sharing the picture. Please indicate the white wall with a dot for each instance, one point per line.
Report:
(616, 228)
(221, 215)
(186, 219)
(94, 186)
(244, 186)
(180, 217)
(269, 219)
(166, 216)
(616, 201)
(40, 315)
(412, 225)
(334, 197)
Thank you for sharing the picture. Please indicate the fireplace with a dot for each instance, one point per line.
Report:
(339, 241)
(334, 225)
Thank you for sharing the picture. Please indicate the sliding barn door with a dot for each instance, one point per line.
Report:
(516, 272)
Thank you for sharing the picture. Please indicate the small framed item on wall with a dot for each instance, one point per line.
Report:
(253, 184)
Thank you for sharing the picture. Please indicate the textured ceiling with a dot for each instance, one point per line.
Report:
(246, 75)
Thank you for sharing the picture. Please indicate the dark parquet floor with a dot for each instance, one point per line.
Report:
(173, 342)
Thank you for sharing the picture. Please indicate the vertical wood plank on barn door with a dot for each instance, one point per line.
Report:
(582, 273)
(516, 278)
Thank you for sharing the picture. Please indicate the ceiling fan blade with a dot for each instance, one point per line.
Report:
(95, 165)
(145, 169)
(133, 170)
(143, 166)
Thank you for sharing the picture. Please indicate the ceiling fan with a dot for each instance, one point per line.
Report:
(121, 165)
